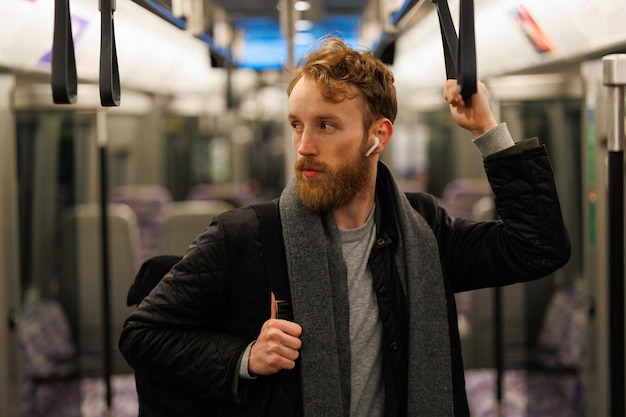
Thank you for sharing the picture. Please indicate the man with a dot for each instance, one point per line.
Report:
(372, 273)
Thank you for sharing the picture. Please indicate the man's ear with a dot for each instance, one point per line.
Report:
(382, 129)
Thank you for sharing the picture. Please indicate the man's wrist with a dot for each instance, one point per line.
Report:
(244, 372)
(494, 140)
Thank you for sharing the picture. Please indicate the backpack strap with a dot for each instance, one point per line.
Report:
(274, 256)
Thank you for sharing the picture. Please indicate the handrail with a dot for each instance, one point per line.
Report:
(614, 78)
(403, 11)
(222, 54)
(163, 12)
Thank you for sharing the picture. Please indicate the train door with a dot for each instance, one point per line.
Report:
(596, 240)
(549, 107)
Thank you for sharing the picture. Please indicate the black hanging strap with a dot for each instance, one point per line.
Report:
(64, 83)
(448, 38)
(109, 73)
(459, 52)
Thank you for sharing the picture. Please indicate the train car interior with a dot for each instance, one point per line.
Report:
(120, 142)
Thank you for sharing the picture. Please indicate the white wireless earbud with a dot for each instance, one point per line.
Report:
(374, 146)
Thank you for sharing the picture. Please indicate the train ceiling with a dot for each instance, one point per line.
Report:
(257, 38)
(516, 37)
(158, 53)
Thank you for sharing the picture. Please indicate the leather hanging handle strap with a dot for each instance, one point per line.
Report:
(109, 72)
(459, 52)
(448, 38)
(63, 79)
(466, 64)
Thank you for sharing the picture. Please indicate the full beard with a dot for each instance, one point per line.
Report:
(334, 188)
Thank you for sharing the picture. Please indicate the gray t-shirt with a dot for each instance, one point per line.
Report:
(367, 388)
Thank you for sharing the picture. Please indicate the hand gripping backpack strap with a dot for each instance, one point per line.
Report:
(274, 256)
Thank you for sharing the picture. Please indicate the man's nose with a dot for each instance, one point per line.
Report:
(307, 145)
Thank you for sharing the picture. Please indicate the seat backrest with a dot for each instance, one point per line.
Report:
(184, 220)
(80, 283)
(149, 202)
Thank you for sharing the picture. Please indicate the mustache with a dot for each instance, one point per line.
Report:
(308, 163)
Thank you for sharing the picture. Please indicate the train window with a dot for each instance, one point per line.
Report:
(558, 125)
(46, 172)
(181, 136)
(409, 155)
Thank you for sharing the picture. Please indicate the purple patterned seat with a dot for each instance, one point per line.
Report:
(149, 202)
(44, 342)
(553, 386)
(238, 197)
(51, 382)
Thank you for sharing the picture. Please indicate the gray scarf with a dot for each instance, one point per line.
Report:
(317, 278)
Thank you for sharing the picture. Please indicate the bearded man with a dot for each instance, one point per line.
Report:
(372, 271)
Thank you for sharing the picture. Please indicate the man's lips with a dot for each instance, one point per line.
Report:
(310, 172)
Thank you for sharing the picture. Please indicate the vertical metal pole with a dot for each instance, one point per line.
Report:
(101, 138)
(499, 357)
(287, 20)
(614, 77)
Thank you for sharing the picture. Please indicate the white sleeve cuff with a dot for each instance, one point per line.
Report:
(494, 140)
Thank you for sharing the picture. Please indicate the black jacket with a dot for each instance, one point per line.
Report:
(186, 337)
